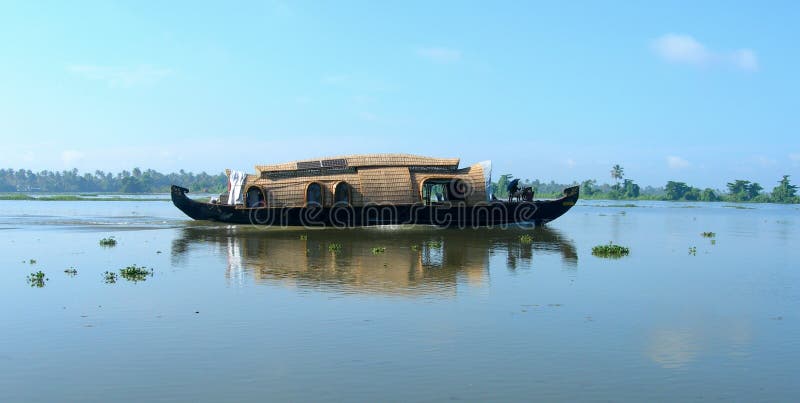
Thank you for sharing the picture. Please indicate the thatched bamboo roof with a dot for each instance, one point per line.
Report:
(361, 161)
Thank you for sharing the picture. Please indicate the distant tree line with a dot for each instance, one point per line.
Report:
(135, 181)
(151, 181)
(626, 189)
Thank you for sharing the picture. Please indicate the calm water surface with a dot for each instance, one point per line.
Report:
(236, 313)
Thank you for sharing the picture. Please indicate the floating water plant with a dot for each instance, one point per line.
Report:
(435, 244)
(136, 273)
(109, 277)
(304, 237)
(713, 241)
(32, 261)
(378, 250)
(526, 238)
(37, 279)
(334, 247)
(610, 251)
(708, 234)
(693, 251)
(108, 242)
(415, 247)
(71, 272)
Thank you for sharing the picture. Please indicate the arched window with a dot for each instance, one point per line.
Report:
(255, 197)
(314, 194)
(342, 193)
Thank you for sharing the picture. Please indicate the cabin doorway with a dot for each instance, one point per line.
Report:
(255, 198)
(443, 190)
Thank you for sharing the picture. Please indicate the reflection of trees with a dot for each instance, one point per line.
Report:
(415, 260)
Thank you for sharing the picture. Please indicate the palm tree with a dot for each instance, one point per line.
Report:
(617, 173)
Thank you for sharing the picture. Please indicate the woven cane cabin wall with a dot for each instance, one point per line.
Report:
(387, 185)
(291, 192)
(374, 178)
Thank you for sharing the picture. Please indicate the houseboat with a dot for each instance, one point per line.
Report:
(372, 189)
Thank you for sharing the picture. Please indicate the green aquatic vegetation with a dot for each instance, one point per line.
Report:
(334, 247)
(525, 238)
(31, 261)
(16, 197)
(61, 198)
(136, 273)
(37, 279)
(708, 234)
(72, 272)
(713, 241)
(740, 207)
(415, 247)
(109, 277)
(304, 237)
(108, 242)
(435, 244)
(693, 251)
(378, 250)
(610, 251)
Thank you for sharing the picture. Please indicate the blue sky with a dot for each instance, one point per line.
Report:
(702, 92)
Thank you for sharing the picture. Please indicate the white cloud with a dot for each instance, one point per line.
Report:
(569, 162)
(684, 49)
(124, 77)
(70, 157)
(744, 59)
(681, 49)
(677, 162)
(335, 79)
(764, 161)
(440, 55)
(795, 157)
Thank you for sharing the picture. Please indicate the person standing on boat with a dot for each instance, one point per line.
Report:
(512, 188)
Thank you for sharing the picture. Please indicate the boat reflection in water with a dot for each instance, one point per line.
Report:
(414, 261)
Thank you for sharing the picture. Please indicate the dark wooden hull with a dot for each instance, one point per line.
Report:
(488, 214)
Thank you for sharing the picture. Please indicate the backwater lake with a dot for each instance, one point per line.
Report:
(242, 313)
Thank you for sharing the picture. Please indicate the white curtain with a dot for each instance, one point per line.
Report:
(236, 179)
